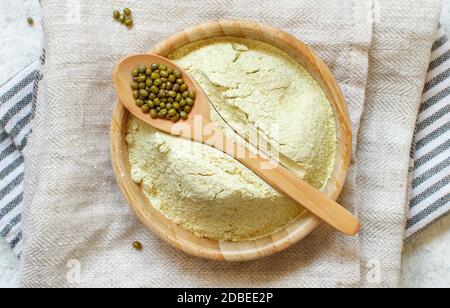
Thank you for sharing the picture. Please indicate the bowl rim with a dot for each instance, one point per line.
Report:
(292, 233)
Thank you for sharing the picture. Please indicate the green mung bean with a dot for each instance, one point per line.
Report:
(161, 91)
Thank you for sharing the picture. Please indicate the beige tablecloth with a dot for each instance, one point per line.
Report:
(77, 227)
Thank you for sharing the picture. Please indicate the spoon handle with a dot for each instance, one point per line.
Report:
(291, 185)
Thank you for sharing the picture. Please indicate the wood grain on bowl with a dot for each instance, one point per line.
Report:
(249, 250)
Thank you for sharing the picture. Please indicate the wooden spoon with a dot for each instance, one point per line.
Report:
(199, 127)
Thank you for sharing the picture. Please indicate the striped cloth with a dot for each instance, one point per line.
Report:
(17, 101)
(430, 154)
(431, 149)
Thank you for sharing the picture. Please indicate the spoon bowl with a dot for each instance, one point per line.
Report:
(122, 79)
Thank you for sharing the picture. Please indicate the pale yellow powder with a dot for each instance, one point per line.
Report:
(206, 191)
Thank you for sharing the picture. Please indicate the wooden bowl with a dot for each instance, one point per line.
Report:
(248, 250)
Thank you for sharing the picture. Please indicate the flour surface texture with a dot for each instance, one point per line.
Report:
(253, 85)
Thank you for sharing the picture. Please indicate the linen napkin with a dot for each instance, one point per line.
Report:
(74, 211)
(399, 60)
(78, 194)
